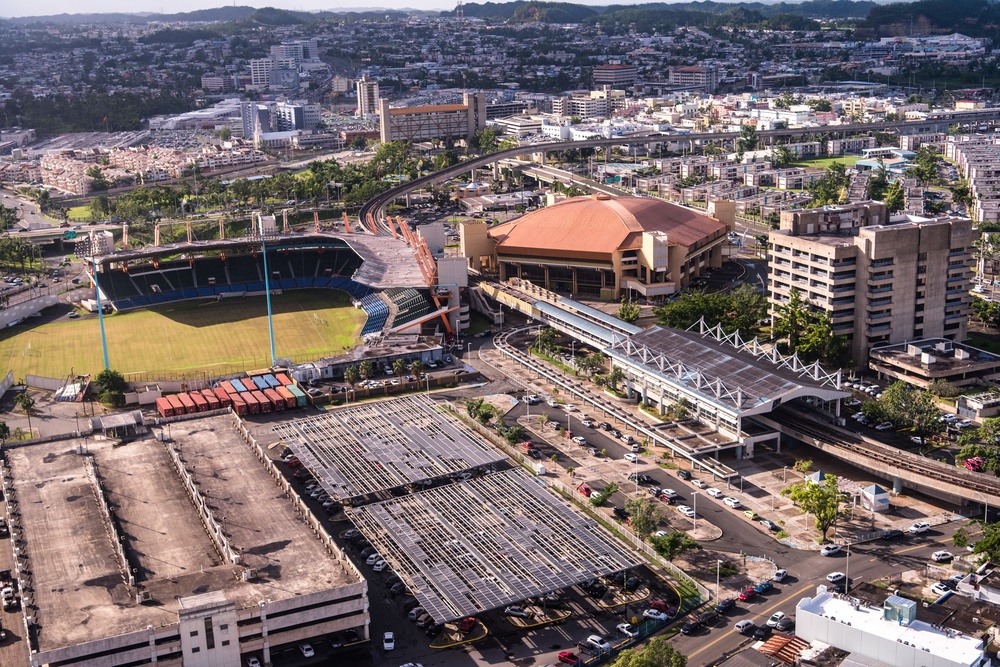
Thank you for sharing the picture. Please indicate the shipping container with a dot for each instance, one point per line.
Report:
(259, 382)
(271, 381)
(200, 404)
(176, 404)
(189, 406)
(227, 387)
(238, 386)
(265, 404)
(253, 405)
(225, 400)
(300, 397)
(239, 405)
(213, 400)
(277, 402)
(289, 397)
(164, 408)
(284, 379)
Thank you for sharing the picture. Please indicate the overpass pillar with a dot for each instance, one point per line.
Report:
(897, 485)
(576, 289)
(663, 397)
(548, 285)
(628, 389)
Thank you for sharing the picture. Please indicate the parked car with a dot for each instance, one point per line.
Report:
(631, 458)
(830, 550)
(770, 525)
(884, 426)
(836, 577)
(942, 556)
(692, 627)
(686, 511)
(660, 605)
(892, 534)
(568, 657)
(745, 627)
(628, 630)
(775, 618)
(699, 483)
(654, 614)
(388, 641)
(684, 474)
(762, 633)
(715, 493)
(763, 587)
(747, 594)
(732, 502)
(779, 576)
(598, 642)
(787, 624)
(940, 589)
(519, 612)
(724, 606)
(919, 527)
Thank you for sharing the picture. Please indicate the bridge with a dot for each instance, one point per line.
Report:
(372, 212)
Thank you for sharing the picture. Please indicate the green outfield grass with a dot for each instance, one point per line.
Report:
(181, 338)
(824, 162)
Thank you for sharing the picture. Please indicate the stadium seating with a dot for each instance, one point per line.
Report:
(378, 313)
(293, 268)
(411, 304)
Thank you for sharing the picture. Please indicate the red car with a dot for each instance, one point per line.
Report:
(293, 462)
(975, 463)
(466, 624)
(568, 657)
(527, 444)
(585, 490)
(748, 594)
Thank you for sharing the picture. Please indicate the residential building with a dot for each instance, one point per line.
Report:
(882, 282)
(615, 75)
(296, 116)
(256, 117)
(849, 146)
(368, 98)
(260, 72)
(443, 121)
(922, 362)
(695, 76)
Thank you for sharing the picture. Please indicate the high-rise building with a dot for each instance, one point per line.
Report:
(255, 116)
(880, 281)
(368, 98)
(260, 71)
(695, 76)
(615, 75)
(296, 116)
(442, 121)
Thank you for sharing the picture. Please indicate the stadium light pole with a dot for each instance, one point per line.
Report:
(267, 292)
(100, 313)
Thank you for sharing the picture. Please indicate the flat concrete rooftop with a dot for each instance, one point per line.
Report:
(79, 590)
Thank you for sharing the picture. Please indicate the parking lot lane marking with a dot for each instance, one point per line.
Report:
(766, 612)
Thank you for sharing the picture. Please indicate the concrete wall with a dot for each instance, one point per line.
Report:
(26, 308)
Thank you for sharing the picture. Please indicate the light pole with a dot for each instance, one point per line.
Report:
(784, 472)
(635, 473)
(718, 565)
(741, 483)
(694, 516)
(847, 573)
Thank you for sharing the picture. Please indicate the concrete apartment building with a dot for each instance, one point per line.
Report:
(615, 75)
(442, 121)
(881, 281)
(695, 76)
(368, 97)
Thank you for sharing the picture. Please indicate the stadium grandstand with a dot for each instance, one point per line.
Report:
(361, 265)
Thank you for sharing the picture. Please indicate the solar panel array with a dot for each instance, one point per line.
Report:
(469, 547)
(372, 447)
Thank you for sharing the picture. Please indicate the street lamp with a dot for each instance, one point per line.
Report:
(847, 573)
(718, 565)
(694, 516)
(784, 472)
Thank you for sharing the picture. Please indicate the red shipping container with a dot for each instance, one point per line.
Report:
(277, 402)
(213, 402)
(200, 404)
(287, 395)
(265, 404)
(228, 387)
(239, 405)
(253, 405)
(164, 408)
(225, 400)
(283, 379)
(189, 406)
(176, 404)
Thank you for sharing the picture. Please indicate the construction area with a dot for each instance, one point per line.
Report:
(362, 450)
(472, 546)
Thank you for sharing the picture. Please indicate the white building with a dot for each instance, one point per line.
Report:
(368, 97)
(891, 634)
(260, 71)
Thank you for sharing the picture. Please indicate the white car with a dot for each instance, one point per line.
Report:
(669, 493)
(307, 650)
(830, 550)
(628, 630)
(775, 617)
(941, 556)
(965, 423)
(940, 589)
(380, 566)
(884, 426)
(388, 641)
(916, 440)
(570, 408)
(598, 642)
(836, 577)
(715, 493)
(374, 558)
(253, 662)
(918, 527)
(580, 440)
(631, 458)
(655, 614)
(779, 576)
(552, 403)
(686, 511)
(699, 483)
(732, 502)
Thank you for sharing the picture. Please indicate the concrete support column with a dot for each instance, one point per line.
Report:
(628, 389)
(897, 485)
(663, 399)
(576, 287)
(548, 285)
(503, 272)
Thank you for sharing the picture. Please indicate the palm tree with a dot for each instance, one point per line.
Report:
(351, 376)
(366, 369)
(4, 433)
(399, 368)
(26, 403)
(416, 368)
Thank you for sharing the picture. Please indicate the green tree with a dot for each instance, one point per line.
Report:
(906, 406)
(658, 652)
(791, 319)
(4, 433)
(878, 181)
(820, 105)
(894, 197)
(615, 376)
(989, 541)
(747, 141)
(485, 140)
(629, 311)
(366, 369)
(26, 403)
(351, 376)
(819, 342)
(515, 434)
(673, 544)
(545, 340)
(110, 380)
(645, 515)
(598, 499)
(781, 156)
(820, 500)
(399, 368)
(416, 368)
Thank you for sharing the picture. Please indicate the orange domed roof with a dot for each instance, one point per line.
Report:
(600, 224)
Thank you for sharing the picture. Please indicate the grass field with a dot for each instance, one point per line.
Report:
(824, 162)
(177, 339)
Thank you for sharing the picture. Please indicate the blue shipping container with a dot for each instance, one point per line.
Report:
(271, 381)
(238, 386)
(259, 381)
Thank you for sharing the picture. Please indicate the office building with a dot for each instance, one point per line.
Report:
(296, 116)
(615, 75)
(260, 72)
(705, 77)
(368, 98)
(255, 117)
(443, 121)
(882, 282)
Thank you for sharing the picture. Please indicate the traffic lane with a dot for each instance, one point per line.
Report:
(711, 643)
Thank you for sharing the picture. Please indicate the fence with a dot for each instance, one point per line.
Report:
(111, 524)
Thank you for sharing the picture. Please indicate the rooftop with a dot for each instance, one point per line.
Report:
(942, 644)
(941, 355)
(77, 584)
